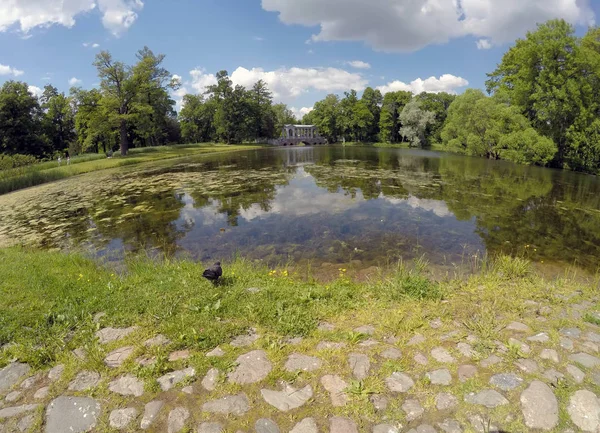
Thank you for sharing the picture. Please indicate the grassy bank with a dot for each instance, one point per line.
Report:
(37, 174)
(49, 300)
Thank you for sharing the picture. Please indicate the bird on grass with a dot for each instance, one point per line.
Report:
(213, 273)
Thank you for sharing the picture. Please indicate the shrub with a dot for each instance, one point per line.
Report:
(14, 161)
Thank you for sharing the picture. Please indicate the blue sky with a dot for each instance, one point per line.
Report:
(304, 49)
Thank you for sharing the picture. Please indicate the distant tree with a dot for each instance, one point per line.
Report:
(196, 119)
(283, 116)
(373, 100)
(264, 120)
(58, 119)
(437, 103)
(326, 115)
(20, 121)
(414, 123)
(389, 123)
(93, 131)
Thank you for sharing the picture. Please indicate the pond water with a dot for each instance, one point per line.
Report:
(317, 204)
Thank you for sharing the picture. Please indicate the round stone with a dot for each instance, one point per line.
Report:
(121, 418)
(264, 425)
(506, 382)
(385, 428)
(342, 425)
(360, 365)
(466, 372)
(442, 355)
(445, 401)
(117, 357)
(72, 414)
(584, 410)
(413, 409)
(177, 419)
(391, 353)
(307, 425)
(488, 398)
(84, 381)
(298, 362)
(210, 427)
(440, 377)
(289, 398)
(399, 382)
(231, 404)
(252, 367)
(211, 379)
(539, 406)
(127, 385)
(335, 386)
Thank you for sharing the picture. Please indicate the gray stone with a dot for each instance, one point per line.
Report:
(466, 350)
(342, 425)
(30, 381)
(491, 360)
(488, 398)
(245, 340)
(416, 340)
(549, 354)
(25, 423)
(566, 343)
(590, 347)
(298, 362)
(210, 427)
(335, 386)
(11, 397)
(264, 425)
(56, 373)
(595, 378)
(380, 402)
(325, 326)
(127, 385)
(524, 348)
(413, 409)
(423, 428)
(121, 418)
(98, 316)
(188, 389)
(289, 398)
(294, 341)
(585, 359)
(553, 376)
(440, 377)
(449, 336)
(445, 401)
(366, 329)
(177, 419)
(592, 337)
(450, 426)
(385, 428)
(539, 406)
(85, 380)
(359, 364)
(217, 352)
(518, 327)
(330, 345)
(584, 410)
(539, 338)
(145, 361)
(399, 382)
(108, 335)
(527, 365)
(171, 379)
(571, 332)
(442, 355)
(307, 425)
(252, 367)
(11, 375)
(466, 372)
(41, 393)
(159, 340)
(211, 379)
(151, 411)
(391, 339)
(10, 412)
(391, 353)
(228, 405)
(576, 373)
(117, 357)
(436, 324)
(481, 425)
(420, 359)
(368, 343)
(179, 355)
(72, 414)
(80, 353)
(506, 382)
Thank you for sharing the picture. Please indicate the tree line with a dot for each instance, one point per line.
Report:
(542, 107)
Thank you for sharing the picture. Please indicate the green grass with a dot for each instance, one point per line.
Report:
(37, 174)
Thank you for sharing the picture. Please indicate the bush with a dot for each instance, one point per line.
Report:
(14, 161)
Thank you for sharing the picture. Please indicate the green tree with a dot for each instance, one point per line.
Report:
(372, 99)
(437, 103)
(263, 123)
(283, 116)
(542, 76)
(93, 131)
(414, 123)
(482, 126)
(327, 117)
(59, 119)
(197, 119)
(20, 121)
(389, 122)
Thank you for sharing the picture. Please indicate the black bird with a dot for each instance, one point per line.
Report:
(213, 273)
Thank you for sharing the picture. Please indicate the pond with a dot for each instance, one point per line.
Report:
(335, 205)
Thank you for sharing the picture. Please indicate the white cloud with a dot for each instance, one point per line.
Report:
(446, 83)
(299, 113)
(359, 64)
(408, 25)
(91, 44)
(74, 81)
(484, 44)
(7, 70)
(36, 91)
(117, 15)
(201, 80)
(258, 38)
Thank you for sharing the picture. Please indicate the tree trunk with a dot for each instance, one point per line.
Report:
(124, 138)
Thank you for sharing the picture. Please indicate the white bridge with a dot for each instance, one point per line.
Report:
(297, 134)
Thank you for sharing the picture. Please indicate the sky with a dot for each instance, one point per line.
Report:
(303, 49)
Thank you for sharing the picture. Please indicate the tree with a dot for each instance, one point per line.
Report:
(327, 117)
(437, 103)
(59, 118)
(372, 99)
(261, 105)
(196, 119)
(389, 123)
(414, 122)
(20, 121)
(91, 126)
(283, 116)
(542, 76)
(482, 126)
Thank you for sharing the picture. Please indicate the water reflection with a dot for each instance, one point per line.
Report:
(322, 204)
